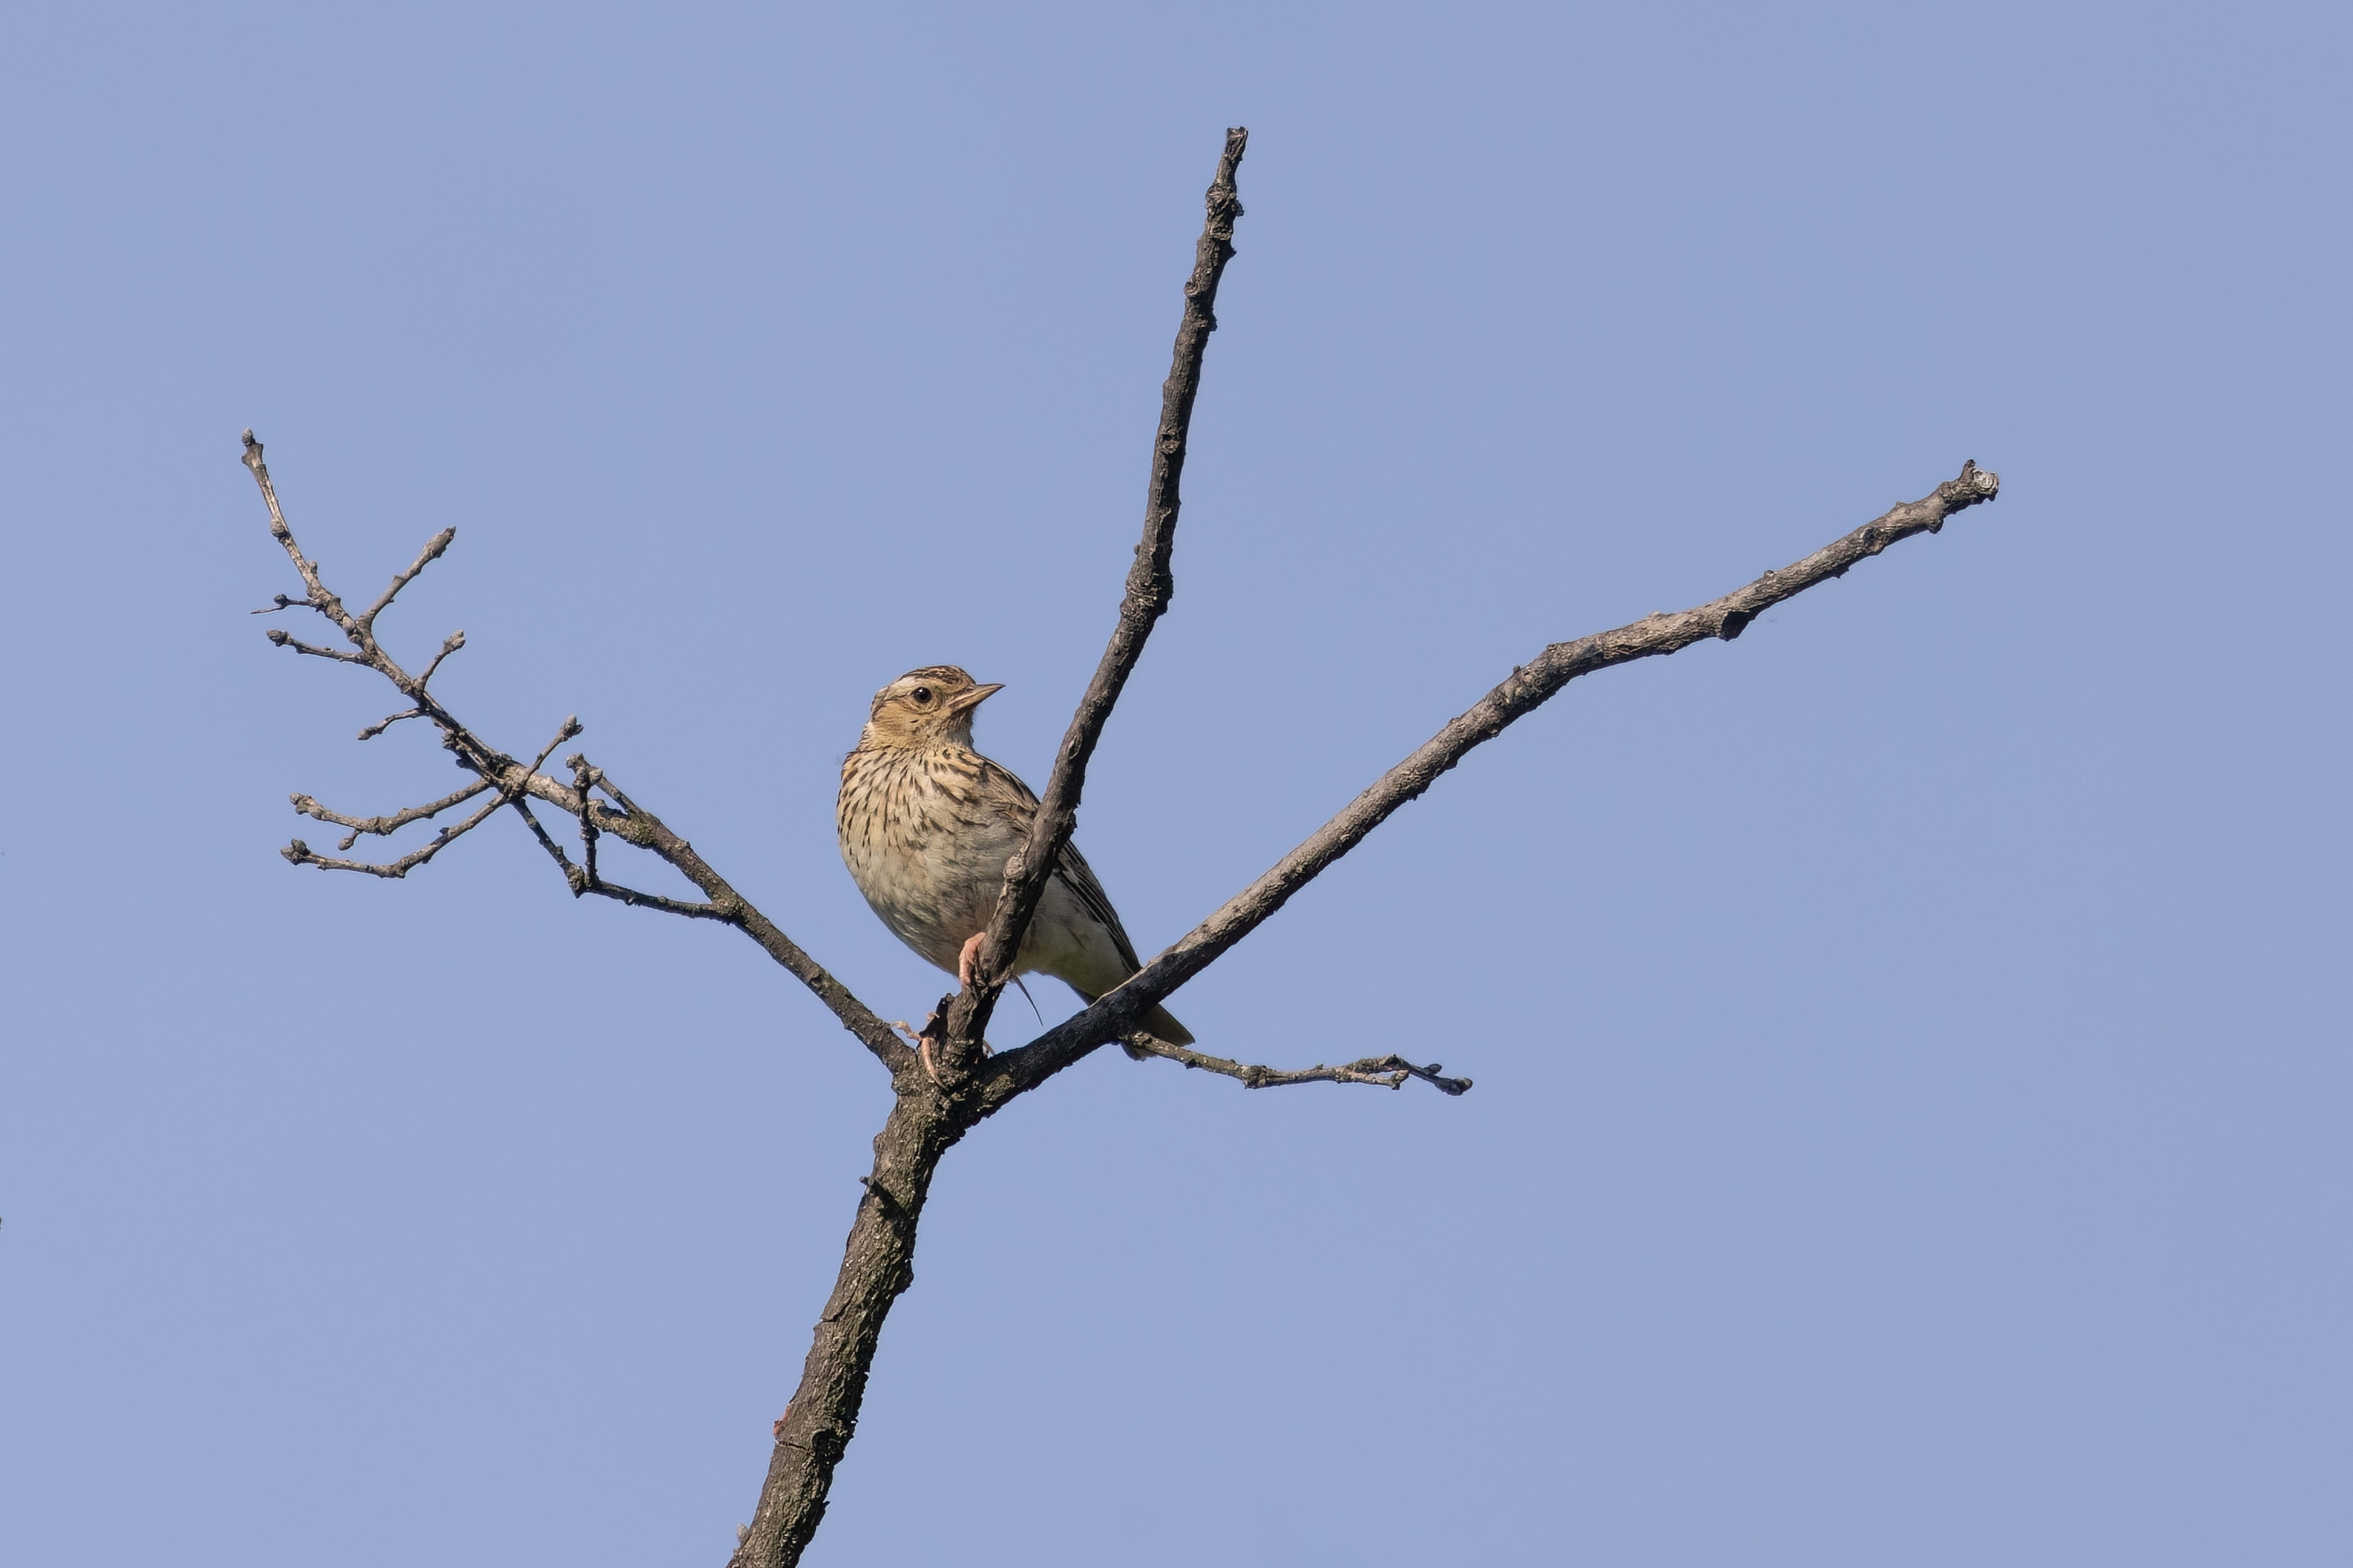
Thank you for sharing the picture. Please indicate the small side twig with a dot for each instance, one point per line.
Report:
(450, 645)
(388, 720)
(583, 778)
(384, 825)
(301, 854)
(284, 638)
(583, 881)
(431, 553)
(1385, 1072)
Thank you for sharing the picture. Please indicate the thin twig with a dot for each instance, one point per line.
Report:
(583, 881)
(1150, 586)
(388, 720)
(319, 599)
(514, 781)
(450, 645)
(572, 874)
(430, 553)
(668, 906)
(641, 827)
(381, 826)
(284, 638)
(1387, 1072)
(570, 728)
(581, 780)
(301, 854)
(1113, 1015)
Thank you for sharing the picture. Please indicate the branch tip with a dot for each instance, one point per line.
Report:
(1381, 1072)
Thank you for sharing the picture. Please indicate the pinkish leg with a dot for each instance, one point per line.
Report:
(963, 960)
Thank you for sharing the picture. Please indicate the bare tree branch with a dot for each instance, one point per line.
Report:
(515, 781)
(1150, 585)
(388, 720)
(450, 645)
(1389, 1072)
(381, 826)
(583, 880)
(1115, 1013)
(431, 553)
(287, 639)
(301, 854)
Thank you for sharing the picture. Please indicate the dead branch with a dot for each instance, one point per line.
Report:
(516, 782)
(450, 645)
(1389, 1072)
(385, 826)
(389, 719)
(583, 879)
(301, 853)
(430, 553)
(1113, 1015)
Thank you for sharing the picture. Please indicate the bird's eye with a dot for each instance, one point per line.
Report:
(923, 694)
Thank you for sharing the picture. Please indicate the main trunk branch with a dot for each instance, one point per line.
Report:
(877, 1265)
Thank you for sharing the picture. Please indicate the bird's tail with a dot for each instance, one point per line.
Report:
(1160, 1024)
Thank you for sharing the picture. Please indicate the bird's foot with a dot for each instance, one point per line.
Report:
(923, 1044)
(965, 959)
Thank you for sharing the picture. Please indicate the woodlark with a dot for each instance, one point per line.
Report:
(927, 825)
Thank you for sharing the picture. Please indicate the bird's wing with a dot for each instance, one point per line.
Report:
(1002, 790)
(1071, 870)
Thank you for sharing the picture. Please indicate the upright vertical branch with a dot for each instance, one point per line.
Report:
(1150, 585)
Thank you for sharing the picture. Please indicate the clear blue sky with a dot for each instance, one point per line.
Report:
(1911, 1045)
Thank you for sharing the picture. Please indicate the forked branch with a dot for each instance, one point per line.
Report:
(516, 782)
(945, 1085)
(385, 826)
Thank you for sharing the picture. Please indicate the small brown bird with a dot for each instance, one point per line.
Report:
(927, 825)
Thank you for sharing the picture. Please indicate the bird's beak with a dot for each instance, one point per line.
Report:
(975, 697)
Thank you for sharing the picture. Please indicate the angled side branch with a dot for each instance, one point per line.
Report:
(511, 782)
(1114, 1015)
(1150, 585)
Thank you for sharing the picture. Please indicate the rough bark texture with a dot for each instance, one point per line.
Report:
(877, 1265)
(945, 1083)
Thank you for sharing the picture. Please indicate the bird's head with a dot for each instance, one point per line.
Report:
(927, 707)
